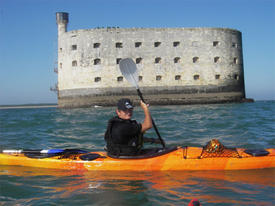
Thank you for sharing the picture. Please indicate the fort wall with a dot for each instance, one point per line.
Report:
(176, 65)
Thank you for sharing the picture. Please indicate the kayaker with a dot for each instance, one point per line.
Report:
(124, 136)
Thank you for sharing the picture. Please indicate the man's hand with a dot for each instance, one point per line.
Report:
(147, 123)
(144, 106)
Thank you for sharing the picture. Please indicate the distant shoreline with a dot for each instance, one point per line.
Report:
(27, 106)
(37, 106)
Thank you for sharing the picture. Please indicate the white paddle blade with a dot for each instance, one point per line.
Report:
(129, 70)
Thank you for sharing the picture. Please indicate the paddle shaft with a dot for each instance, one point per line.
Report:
(50, 151)
(153, 122)
(25, 151)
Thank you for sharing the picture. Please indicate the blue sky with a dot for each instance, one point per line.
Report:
(28, 37)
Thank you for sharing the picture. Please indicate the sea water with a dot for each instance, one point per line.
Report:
(247, 125)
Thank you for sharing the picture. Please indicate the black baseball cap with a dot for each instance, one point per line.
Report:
(124, 104)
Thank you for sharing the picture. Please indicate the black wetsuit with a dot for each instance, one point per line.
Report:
(123, 137)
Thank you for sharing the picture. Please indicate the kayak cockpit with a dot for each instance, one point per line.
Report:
(146, 153)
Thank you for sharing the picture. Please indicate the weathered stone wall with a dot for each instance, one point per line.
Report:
(176, 65)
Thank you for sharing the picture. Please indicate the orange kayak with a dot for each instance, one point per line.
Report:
(169, 159)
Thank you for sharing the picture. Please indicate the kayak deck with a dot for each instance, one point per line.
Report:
(177, 158)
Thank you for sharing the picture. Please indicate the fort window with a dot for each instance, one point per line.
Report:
(60, 49)
(235, 60)
(195, 59)
(118, 60)
(236, 76)
(138, 44)
(74, 63)
(215, 43)
(96, 45)
(216, 59)
(217, 76)
(176, 43)
(97, 61)
(157, 44)
(138, 60)
(176, 60)
(196, 77)
(118, 45)
(157, 60)
(120, 79)
(140, 78)
(60, 65)
(97, 79)
(235, 45)
(177, 77)
(158, 77)
(74, 47)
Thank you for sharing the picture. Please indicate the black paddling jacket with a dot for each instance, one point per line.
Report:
(123, 137)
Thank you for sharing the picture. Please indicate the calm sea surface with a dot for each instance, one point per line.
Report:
(248, 125)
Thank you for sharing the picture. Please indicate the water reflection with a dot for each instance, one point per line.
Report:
(210, 187)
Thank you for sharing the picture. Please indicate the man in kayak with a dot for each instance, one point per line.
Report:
(123, 135)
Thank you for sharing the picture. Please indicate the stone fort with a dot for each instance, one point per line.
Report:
(176, 65)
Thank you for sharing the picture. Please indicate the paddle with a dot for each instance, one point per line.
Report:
(44, 153)
(24, 151)
(129, 70)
